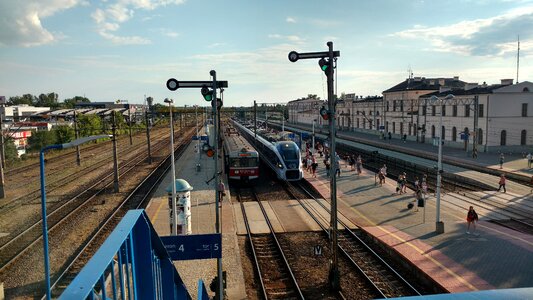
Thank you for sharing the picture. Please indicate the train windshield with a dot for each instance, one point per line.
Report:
(289, 152)
(243, 162)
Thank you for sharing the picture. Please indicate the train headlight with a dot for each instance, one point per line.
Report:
(280, 166)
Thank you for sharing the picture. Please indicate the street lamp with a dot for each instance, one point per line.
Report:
(313, 146)
(439, 227)
(173, 170)
(74, 143)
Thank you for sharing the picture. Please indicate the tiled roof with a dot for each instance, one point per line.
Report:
(459, 92)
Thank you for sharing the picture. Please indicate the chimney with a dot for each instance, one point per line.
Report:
(506, 81)
(432, 82)
(456, 78)
(442, 81)
(471, 85)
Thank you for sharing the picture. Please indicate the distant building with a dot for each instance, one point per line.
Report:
(305, 110)
(16, 113)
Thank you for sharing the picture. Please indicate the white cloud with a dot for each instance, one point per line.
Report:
(290, 20)
(481, 37)
(108, 19)
(21, 21)
(290, 38)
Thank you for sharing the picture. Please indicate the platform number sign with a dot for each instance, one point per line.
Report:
(199, 246)
(317, 250)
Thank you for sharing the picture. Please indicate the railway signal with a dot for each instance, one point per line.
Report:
(327, 59)
(207, 93)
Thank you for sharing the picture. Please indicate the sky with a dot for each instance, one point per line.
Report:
(127, 49)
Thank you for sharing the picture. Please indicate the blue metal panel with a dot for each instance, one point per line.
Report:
(202, 292)
(142, 262)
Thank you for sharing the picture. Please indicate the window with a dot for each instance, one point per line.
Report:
(393, 127)
(357, 122)
(480, 136)
(443, 110)
(393, 105)
(481, 110)
(433, 131)
(424, 109)
(523, 137)
(364, 123)
(454, 134)
(524, 109)
(401, 105)
(433, 110)
(387, 105)
(401, 129)
(443, 133)
(503, 138)
(467, 110)
(454, 110)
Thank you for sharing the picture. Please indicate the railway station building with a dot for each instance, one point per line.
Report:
(503, 120)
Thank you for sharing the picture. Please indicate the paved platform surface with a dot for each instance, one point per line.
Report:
(203, 221)
(490, 257)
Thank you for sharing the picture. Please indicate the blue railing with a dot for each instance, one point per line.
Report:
(131, 264)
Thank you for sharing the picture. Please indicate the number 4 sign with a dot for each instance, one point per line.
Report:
(199, 246)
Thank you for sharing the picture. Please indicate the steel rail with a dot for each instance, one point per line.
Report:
(112, 219)
(350, 234)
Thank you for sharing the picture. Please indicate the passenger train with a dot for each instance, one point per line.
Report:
(283, 157)
(241, 159)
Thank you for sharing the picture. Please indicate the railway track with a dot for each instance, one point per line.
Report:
(276, 277)
(383, 279)
(28, 238)
(136, 199)
(53, 184)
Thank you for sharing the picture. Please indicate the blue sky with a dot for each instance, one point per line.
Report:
(125, 49)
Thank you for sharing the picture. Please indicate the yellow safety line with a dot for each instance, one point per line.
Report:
(154, 217)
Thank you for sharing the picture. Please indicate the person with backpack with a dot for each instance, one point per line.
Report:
(471, 218)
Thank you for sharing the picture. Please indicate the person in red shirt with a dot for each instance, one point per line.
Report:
(502, 183)
(471, 218)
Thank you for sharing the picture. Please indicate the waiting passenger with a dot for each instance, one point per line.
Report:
(502, 183)
(471, 218)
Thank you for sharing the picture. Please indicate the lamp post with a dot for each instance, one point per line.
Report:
(74, 143)
(173, 170)
(439, 225)
(313, 146)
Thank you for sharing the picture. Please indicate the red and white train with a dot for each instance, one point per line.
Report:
(241, 159)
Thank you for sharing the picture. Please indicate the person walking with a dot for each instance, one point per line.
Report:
(404, 183)
(314, 165)
(501, 160)
(502, 183)
(337, 165)
(529, 158)
(471, 218)
(328, 167)
(419, 199)
(474, 153)
(359, 165)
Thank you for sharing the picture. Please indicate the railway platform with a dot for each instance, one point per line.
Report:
(491, 257)
(203, 221)
(513, 162)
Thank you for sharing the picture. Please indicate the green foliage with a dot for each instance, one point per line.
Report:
(39, 139)
(49, 100)
(10, 150)
(25, 99)
(69, 103)
(89, 125)
(64, 134)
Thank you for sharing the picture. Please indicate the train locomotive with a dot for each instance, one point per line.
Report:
(283, 157)
(241, 159)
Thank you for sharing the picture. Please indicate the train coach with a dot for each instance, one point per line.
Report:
(283, 157)
(241, 159)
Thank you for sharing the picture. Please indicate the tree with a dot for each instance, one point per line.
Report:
(64, 134)
(25, 99)
(71, 102)
(39, 139)
(10, 150)
(89, 125)
(47, 100)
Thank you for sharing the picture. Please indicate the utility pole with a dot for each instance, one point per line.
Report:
(148, 137)
(115, 158)
(328, 65)
(2, 142)
(208, 90)
(76, 133)
(129, 123)
(476, 120)
(255, 120)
